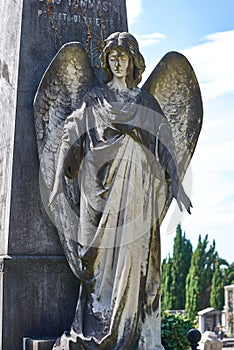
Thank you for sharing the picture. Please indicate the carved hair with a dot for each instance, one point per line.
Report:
(124, 42)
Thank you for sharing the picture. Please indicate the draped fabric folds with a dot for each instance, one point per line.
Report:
(120, 155)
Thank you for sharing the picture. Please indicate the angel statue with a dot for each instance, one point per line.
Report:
(112, 158)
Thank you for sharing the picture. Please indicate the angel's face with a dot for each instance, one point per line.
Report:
(118, 62)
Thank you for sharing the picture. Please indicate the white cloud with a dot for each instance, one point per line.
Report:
(145, 40)
(213, 64)
(134, 9)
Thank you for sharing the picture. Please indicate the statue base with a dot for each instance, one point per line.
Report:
(38, 297)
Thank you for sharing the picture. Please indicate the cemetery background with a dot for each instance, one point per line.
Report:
(200, 286)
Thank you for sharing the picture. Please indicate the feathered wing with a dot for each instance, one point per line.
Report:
(68, 77)
(174, 85)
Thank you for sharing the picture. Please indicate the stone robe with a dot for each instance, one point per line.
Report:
(120, 150)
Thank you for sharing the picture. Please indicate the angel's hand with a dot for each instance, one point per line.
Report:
(184, 199)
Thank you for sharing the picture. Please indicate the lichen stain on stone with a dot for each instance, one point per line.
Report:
(4, 71)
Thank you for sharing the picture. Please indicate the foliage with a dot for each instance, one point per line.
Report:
(166, 284)
(182, 254)
(218, 282)
(173, 331)
(199, 279)
(229, 275)
(174, 272)
(211, 256)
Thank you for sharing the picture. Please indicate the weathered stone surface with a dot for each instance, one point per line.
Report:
(39, 43)
(38, 291)
(9, 54)
(33, 296)
(210, 341)
(38, 344)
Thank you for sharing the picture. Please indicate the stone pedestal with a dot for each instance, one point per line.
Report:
(38, 297)
(37, 289)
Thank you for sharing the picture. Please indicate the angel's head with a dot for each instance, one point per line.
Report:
(125, 45)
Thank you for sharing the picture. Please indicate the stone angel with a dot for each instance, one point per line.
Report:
(112, 158)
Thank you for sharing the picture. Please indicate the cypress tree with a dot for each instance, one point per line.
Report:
(209, 269)
(217, 292)
(174, 273)
(166, 284)
(195, 282)
(182, 253)
(229, 275)
(200, 276)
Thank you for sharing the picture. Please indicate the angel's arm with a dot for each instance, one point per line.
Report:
(168, 161)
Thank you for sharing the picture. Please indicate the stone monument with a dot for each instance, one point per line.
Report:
(38, 291)
(112, 157)
(228, 312)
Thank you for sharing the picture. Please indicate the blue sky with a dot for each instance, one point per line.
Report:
(204, 32)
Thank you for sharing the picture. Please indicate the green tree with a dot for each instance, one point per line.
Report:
(182, 254)
(198, 282)
(200, 277)
(192, 291)
(174, 273)
(229, 275)
(218, 280)
(166, 283)
(207, 275)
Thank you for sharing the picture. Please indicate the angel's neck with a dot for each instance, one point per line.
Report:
(118, 84)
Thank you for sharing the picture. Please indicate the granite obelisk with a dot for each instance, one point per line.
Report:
(37, 289)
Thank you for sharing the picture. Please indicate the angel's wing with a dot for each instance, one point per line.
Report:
(174, 85)
(67, 79)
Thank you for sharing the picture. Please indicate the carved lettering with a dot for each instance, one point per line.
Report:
(87, 7)
(91, 3)
(83, 4)
(105, 6)
(87, 4)
(58, 2)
